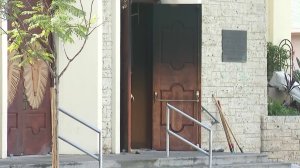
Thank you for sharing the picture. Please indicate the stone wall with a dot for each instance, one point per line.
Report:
(241, 87)
(107, 76)
(281, 138)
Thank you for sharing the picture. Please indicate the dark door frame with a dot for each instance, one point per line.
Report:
(125, 75)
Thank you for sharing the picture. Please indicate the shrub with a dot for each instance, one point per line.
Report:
(276, 108)
(276, 59)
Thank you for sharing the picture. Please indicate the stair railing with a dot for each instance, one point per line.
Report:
(215, 121)
(168, 132)
(98, 131)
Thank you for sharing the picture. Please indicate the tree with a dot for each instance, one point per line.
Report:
(31, 32)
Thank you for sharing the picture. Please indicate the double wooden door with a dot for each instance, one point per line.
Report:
(29, 126)
(176, 74)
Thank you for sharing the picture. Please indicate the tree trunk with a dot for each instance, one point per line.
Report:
(54, 119)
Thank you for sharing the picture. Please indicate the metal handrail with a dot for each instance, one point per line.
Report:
(168, 132)
(99, 157)
(214, 118)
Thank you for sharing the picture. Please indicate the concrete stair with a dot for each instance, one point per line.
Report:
(219, 161)
(149, 160)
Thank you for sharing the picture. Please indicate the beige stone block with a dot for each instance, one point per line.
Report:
(290, 146)
(274, 126)
(278, 154)
(271, 145)
(289, 140)
(252, 128)
(293, 119)
(296, 134)
(225, 92)
(275, 135)
(292, 126)
(273, 119)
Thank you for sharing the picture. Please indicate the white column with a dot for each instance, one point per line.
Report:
(279, 20)
(100, 65)
(3, 92)
(116, 94)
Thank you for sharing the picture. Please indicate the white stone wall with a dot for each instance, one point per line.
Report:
(281, 138)
(107, 76)
(241, 87)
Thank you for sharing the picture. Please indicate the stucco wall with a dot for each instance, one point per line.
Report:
(3, 93)
(295, 16)
(279, 20)
(296, 45)
(281, 138)
(80, 90)
(241, 87)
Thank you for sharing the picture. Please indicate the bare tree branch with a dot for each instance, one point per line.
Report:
(72, 59)
(66, 54)
(94, 28)
(4, 30)
(81, 5)
(91, 11)
(84, 42)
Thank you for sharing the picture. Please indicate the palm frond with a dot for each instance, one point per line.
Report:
(13, 78)
(35, 81)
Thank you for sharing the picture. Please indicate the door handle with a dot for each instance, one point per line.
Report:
(132, 97)
(197, 94)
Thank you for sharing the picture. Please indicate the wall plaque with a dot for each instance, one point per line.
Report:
(234, 46)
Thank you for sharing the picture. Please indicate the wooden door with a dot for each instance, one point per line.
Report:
(29, 129)
(175, 74)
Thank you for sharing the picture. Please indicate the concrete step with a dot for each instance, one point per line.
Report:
(148, 160)
(246, 165)
(257, 165)
(260, 165)
(219, 161)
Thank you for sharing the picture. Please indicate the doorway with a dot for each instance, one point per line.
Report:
(164, 63)
(141, 75)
